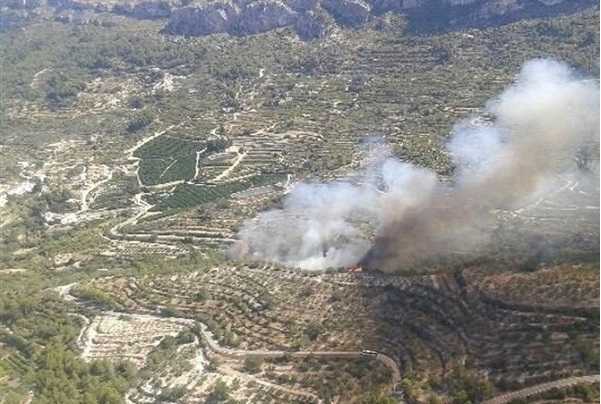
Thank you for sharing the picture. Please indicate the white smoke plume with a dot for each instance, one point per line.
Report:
(540, 122)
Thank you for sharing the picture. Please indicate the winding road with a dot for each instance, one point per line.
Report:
(263, 354)
(541, 388)
(238, 354)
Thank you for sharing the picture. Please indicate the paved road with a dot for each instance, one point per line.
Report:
(541, 388)
(241, 354)
(214, 346)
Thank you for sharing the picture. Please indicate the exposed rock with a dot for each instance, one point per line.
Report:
(63, 259)
(124, 8)
(445, 15)
(348, 12)
(214, 18)
(69, 16)
(69, 4)
(310, 26)
(262, 16)
(152, 10)
(462, 2)
(246, 17)
(243, 17)
(22, 4)
(302, 5)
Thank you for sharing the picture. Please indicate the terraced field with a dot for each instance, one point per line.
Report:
(167, 159)
(92, 195)
(106, 335)
(428, 325)
(191, 195)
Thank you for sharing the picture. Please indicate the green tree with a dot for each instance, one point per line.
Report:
(219, 394)
(139, 121)
(252, 364)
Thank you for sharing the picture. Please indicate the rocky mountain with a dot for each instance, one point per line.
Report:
(248, 17)
(311, 18)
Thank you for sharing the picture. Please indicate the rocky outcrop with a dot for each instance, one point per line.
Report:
(444, 15)
(262, 16)
(310, 26)
(191, 21)
(21, 4)
(244, 17)
(348, 12)
(302, 5)
(309, 18)
(147, 10)
(238, 19)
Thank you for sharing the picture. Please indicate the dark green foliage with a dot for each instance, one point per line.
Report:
(588, 393)
(217, 144)
(306, 291)
(252, 365)
(34, 320)
(97, 296)
(11, 397)
(201, 295)
(168, 312)
(62, 377)
(62, 89)
(188, 195)
(57, 199)
(313, 330)
(41, 332)
(220, 393)
(231, 72)
(167, 159)
(139, 121)
(467, 386)
(184, 337)
(135, 102)
(589, 353)
(172, 394)
(377, 398)
(101, 48)
(167, 343)
(168, 147)
(157, 171)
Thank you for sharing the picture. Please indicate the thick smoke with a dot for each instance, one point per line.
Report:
(539, 124)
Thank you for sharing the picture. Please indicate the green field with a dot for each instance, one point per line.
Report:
(167, 159)
(189, 195)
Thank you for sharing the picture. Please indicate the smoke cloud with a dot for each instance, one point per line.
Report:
(394, 214)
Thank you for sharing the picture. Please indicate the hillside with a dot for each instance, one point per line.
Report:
(139, 139)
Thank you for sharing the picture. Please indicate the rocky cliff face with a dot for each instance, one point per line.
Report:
(348, 12)
(244, 17)
(311, 18)
(444, 15)
(145, 9)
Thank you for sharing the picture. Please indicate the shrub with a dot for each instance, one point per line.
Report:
(252, 365)
(168, 312)
(219, 394)
(99, 297)
(61, 90)
(201, 295)
(312, 331)
(172, 394)
(139, 120)
(135, 102)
